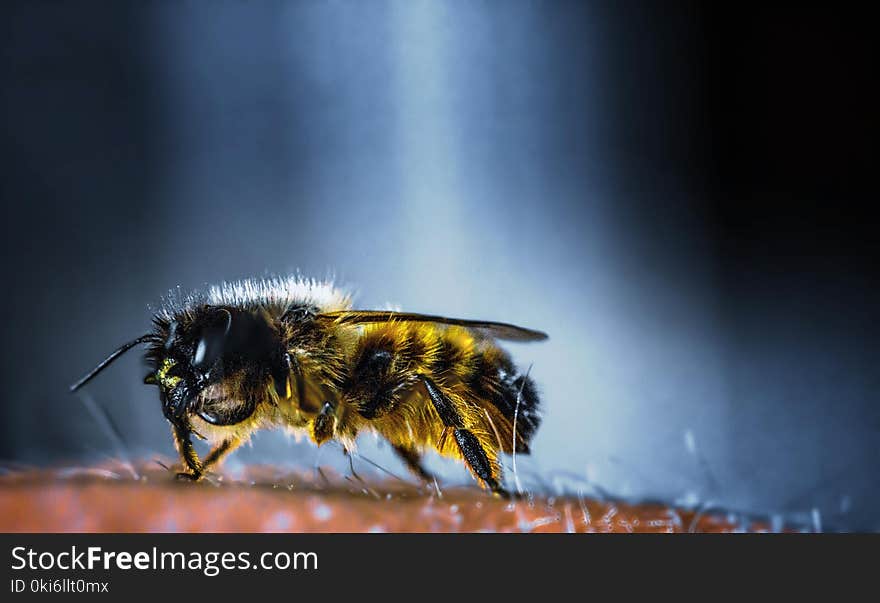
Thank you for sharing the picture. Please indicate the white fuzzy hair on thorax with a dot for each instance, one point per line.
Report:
(288, 291)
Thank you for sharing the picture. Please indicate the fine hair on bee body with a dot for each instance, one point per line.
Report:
(292, 353)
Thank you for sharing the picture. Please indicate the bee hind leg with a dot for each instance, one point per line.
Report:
(468, 444)
(476, 458)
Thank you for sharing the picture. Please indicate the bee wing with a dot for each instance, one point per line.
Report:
(498, 330)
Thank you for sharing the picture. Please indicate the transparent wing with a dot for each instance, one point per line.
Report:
(498, 330)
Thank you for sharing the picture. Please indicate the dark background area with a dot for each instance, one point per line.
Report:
(680, 194)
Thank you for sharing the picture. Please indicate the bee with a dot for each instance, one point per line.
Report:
(291, 352)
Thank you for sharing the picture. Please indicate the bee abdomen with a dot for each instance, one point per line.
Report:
(389, 361)
(489, 376)
(495, 379)
(519, 402)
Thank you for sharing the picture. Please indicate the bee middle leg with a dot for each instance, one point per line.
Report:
(413, 461)
(324, 424)
(220, 452)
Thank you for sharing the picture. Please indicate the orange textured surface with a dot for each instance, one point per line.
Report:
(106, 499)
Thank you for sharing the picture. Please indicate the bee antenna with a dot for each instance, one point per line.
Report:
(109, 360)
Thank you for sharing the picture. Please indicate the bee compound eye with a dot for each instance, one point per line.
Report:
(199, 354)
(209, 347)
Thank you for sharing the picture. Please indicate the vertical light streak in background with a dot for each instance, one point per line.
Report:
(465, 230)
(502, 214)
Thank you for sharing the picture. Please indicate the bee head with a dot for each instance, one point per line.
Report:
(216, 364)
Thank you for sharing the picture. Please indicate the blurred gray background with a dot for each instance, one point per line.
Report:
(676, 194)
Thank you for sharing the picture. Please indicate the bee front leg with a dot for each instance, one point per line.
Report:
(184, 445)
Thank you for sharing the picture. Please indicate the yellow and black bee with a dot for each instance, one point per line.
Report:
(291, 352)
